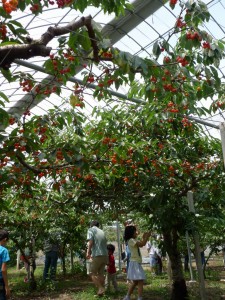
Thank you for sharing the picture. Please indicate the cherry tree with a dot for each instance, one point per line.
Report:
(143, 157)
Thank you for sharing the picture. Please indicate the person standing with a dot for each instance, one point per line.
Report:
(127, 250)
(127, 258)
(135, 272)
(52, 250)
(97, 250)
(111, 269)
(25, 258)
(4, 258)
(154, 256)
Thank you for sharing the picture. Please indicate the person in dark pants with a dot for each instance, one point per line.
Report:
(4, 258)
(52, 250)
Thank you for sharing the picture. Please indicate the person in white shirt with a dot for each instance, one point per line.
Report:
(98, 253)
(154, 256)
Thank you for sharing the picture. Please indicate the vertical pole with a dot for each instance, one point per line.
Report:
(118, 242)
(222, 134)
(189, 256)
(197, 251)
(18, 260)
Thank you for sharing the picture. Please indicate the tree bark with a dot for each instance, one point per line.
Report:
(34, 48)
(179, 288)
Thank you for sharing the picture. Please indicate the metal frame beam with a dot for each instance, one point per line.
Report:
(119, 27)
(91, 85)
(114, 30)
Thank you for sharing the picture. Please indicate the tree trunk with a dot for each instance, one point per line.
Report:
(71, 258)
(32, 265)
(179, 288)
(32, 282)
(63, 260)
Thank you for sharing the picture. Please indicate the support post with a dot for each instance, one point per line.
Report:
(18, 260)
(118, 242)
(197, 250)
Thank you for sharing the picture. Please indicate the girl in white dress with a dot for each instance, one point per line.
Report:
(135, 272)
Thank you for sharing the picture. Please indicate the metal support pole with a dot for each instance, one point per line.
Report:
(197, 250)
(18, 259)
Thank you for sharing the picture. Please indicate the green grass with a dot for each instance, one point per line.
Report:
(78, 286)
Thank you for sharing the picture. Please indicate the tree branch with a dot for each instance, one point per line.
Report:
(39, 47)
(10, 52)
(26, 165)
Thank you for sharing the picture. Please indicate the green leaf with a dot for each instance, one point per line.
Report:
(4, 14)
(208, 73)
(4, 117)
(62, 40)
(2, 95)
(8, 75)
(207, 90)
(84, 40)
(165, 45)
(201, 111)
(72, 40)
(22, 5)
(137, 62)
(81, 5)
(49, 65)
(9, 43)
(2, 103)
(16, 23)
(117, 84)
(21, 31)
(215, 75)
(221, 45)
(156, 49)
(69, 118)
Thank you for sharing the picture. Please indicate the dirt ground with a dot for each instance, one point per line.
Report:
(156, 287)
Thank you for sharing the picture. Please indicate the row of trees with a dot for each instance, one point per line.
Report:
(63, 168)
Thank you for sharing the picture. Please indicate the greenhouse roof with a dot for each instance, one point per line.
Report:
(136, 32)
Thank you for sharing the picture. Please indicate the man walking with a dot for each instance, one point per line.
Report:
(97, 250)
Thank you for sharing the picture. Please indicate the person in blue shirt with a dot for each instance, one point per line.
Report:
(4, 258)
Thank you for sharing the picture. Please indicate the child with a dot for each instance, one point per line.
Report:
(135, 271)
(111, 269)
(4, 258)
